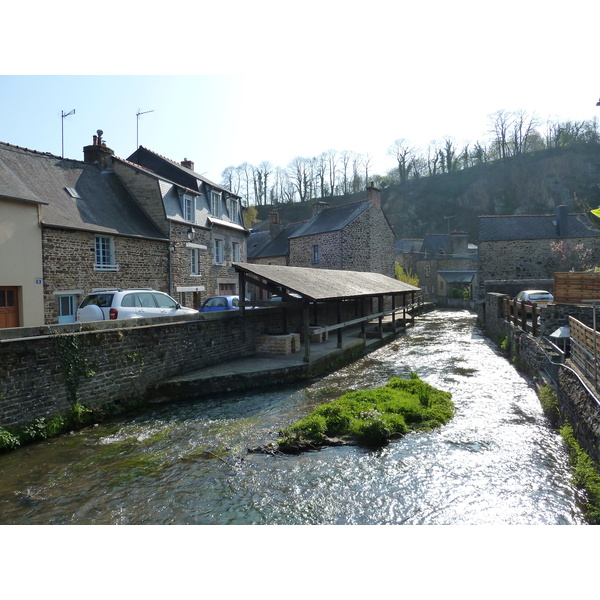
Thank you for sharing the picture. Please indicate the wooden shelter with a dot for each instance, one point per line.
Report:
(315, 292)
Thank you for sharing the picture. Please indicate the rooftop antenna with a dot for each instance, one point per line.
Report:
(137, 141)
(448, 219)
(63, 115)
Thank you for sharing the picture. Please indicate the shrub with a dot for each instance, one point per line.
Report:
(373, 417)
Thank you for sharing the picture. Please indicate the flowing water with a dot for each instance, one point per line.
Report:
(496, 462)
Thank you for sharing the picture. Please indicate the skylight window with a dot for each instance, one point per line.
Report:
(72, 192)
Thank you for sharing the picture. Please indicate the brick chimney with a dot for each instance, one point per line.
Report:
(374, 196)
(98, 153)
(188, 164)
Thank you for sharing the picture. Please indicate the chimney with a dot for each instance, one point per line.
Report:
(188, 164)
(319, 207)
(98, 153)
(562, 221)
(275, 226)
(374, 196)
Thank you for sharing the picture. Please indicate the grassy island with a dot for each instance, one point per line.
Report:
(371, 417)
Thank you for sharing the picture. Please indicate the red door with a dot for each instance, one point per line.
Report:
(9, 307)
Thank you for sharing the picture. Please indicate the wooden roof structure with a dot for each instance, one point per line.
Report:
(324, 284)
(315, 286)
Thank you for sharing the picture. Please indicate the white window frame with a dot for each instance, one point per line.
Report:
(195, 262)
(234, 210)
(188, 206)
(67, 317)
(235, 252)
(218, 253)
(105, 254)
(427, 271)
(215, 204)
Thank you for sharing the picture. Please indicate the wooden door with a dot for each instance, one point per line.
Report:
(9, 307)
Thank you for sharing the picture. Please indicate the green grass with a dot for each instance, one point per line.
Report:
(585, 474)
(371, 417)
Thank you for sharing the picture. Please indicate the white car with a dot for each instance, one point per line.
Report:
(111, 304)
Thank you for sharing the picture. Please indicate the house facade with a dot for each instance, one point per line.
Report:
(446, 266)
(68, 227)
(21, 289)
(89, 234)
(352, 237)
(524, 251)
(202, 220)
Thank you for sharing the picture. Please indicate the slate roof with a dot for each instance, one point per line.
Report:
(101, 203)
(408, 245)
(532, 227)
(260, 244)
(173, 171)
(327, 284)
(334, 218)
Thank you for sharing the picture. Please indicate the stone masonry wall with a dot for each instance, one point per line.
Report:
(69, 257)
(527, 259)
(113, 363)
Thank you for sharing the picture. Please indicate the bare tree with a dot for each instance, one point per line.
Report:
(501, 124)
(299, 173)
(403, 155)
(332, 170)
(366, 164)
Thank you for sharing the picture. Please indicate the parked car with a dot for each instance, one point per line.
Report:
(540, 297)
(111, 304)
(221, 303)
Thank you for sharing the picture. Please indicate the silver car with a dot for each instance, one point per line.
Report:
(111, 304)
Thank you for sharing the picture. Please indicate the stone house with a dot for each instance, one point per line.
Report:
(517, 252)
(446, 266)
(69, 226)
(202, 220)
(351, 237)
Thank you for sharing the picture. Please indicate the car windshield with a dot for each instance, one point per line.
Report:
(536, 297)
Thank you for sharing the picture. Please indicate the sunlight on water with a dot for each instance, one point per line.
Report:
(496, 462)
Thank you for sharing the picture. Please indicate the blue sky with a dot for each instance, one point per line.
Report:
(264, 81)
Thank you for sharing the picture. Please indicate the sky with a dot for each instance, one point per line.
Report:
(270, 81)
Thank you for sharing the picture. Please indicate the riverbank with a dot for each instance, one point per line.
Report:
(60, 382)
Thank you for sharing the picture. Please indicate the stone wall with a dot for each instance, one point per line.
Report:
(528, 259)
(69, 257)
(112, 363)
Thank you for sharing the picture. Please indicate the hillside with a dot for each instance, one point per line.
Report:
(532, 183)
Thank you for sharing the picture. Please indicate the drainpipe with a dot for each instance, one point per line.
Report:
(171, 251)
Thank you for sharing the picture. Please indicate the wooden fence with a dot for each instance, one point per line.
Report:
(584, 349)
(516, 312)
(572, 288)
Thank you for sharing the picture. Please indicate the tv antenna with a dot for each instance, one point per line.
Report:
(139, 112)
(63, 115)
(448, 219)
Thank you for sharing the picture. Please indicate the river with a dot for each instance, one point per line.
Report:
(497, 462)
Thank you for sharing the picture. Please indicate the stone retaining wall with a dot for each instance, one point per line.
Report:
(113, 363)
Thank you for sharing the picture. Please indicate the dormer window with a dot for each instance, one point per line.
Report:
(188, 206)
(234, 210)
(215, 204)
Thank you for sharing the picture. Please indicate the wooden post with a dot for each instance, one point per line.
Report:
(339, 320)
(380, 309)
(306, 327)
